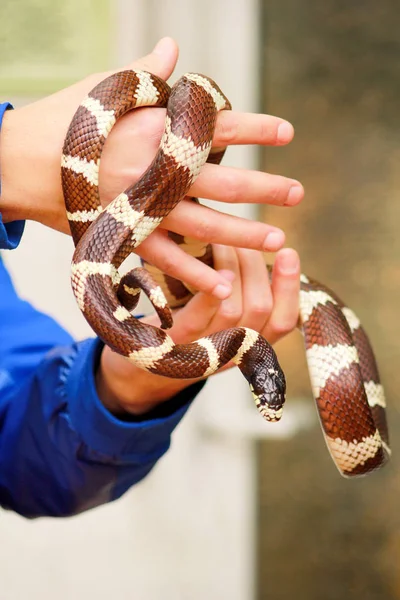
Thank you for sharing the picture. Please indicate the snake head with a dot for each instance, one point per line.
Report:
(268, 387)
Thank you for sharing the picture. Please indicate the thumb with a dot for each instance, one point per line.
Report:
(162, 59)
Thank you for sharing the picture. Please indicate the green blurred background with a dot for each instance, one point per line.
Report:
(48, 44)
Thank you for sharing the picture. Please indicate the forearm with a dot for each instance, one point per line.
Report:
(113, 379)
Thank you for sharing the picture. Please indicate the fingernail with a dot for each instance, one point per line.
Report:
(288, 262)
(285, 132)
(295, 194)
(274, 241)
(161, 46)
(222, 291)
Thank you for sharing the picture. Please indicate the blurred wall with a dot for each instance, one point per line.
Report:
(332, 68)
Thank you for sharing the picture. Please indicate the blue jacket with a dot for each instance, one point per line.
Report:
(61, 451)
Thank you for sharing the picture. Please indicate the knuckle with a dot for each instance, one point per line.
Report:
(232, 188)
(204, 231)
(230, 314)
(283, 326)
(275, 193)
(150, 123)
(169, 263)
(227, 130)
(260, 307)
(192, 329)
(269, 130)
(279, 190)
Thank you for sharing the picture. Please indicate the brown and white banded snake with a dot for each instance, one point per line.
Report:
(342, 367)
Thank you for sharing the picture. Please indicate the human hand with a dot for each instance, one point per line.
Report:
(270, 309)
(31, 148)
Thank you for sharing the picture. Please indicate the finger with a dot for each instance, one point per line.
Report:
(234, 128)
(162, 252)
(231, 308)
(285, 290)
(257, 295)
(160, 61)
(229, 184)
(139, 130)
(211, 226)
(192, 321)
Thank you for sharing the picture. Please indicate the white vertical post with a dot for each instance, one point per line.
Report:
(214, 473)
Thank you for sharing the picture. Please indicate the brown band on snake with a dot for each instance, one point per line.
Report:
(83, 146)
(177, 292)
(341, 385)
(342, 367)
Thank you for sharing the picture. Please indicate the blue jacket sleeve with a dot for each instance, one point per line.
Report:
(11, 233)
(61, 451)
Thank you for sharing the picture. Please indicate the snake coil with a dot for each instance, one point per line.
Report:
(341, 363)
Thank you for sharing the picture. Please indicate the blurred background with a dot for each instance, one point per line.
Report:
(237, 509)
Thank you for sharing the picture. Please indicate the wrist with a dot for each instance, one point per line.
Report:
(30, 170)
(12, 193)
(5, 111)
(123, 388)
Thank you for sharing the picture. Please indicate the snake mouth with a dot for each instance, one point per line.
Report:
(269, 414)
(269, 392)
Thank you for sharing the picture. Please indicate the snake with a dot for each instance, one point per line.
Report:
(343, 371)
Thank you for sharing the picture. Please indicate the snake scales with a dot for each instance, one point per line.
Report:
(342, 367)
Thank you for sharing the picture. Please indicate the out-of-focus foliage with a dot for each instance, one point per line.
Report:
(47, 44)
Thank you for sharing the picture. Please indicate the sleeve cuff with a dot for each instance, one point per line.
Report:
(10, 234)
(105, 434)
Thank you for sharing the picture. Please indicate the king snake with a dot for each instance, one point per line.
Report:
(341, 363)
